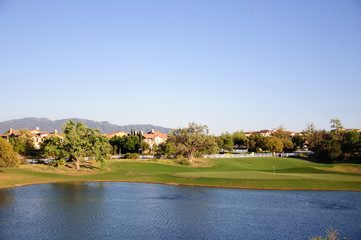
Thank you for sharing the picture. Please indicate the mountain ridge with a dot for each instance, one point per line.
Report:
(48, 125)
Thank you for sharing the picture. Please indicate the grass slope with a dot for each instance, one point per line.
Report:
(238, 173)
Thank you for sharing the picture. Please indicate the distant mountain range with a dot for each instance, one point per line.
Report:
(49, 126)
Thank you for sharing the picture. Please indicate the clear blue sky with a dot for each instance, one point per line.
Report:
(232, 65)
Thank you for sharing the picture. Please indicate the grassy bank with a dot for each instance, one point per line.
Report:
(238, 173)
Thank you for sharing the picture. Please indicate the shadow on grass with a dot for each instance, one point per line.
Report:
(82, 165)
(88, 166)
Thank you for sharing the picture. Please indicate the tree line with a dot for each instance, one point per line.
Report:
(191, 142)
(335, 145)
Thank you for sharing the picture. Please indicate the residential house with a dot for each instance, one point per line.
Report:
(265, 133)
(249, 133)
(36, 135)
(55, 133)
(11, 134)
(117, 133)
(154, 137)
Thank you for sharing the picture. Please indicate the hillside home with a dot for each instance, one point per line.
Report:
(12, 133)
(55, 133)
(265, 133)
(154, 137)
(36, 135)
(117, 133)
(249, 133)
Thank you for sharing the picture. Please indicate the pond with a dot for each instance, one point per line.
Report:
(118, 210)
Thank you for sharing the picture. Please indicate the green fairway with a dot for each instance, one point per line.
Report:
(270, 176)
(260, 173)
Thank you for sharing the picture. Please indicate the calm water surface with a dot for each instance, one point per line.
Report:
(117, 210)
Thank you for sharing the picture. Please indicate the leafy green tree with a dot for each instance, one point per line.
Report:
(352, 138)
(285, 137)
(189, 141)
(99, 147)
(53, 147)
(154, 148)
(281, 134)
(165, 149)
(288, 145)
(23, 144)
(144, 146)
(317, 136)
(351, 146)
(8, 156)
(336, 124)
(80, 142)
(131, 156)
(255, 142)
(225, 142)
(298, 141)
(310, 129)
(328, 150)
(115, 142)
(273, 144)
(130, 144)
(210, 148)
(337, 129)
(239, 138)
(308, 134)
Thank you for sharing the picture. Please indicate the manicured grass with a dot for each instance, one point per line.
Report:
(290, 173)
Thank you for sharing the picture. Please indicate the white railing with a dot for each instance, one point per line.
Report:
(45, 160)
(227, 155)
(146, 157)
(240, 150)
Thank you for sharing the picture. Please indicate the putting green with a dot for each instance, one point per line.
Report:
(270, 175)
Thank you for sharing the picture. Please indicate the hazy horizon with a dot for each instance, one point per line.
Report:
(157, 125)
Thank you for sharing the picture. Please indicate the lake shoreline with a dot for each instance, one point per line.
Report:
(245, 173)
(188, 185)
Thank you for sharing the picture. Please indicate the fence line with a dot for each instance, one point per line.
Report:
(252, 155)
(35, 161)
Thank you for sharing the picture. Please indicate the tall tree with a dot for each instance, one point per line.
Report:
(165, 149)
(130, 144)
(115, 141)
(8, 156)
(336, 124)
(80, 142)
(225, 142)
(189, 141)
(23, 144)
(298, 141)
(255, 142)
(328, 150)
(273, 144)
(337, 129)
(351, 138)
(53, 147)
(309, 131)
(281, 134)
(239, 138)
(144, 146)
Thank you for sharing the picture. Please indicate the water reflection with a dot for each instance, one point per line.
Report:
(96, 210)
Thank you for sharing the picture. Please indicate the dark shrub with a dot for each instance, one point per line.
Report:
(132, 156)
